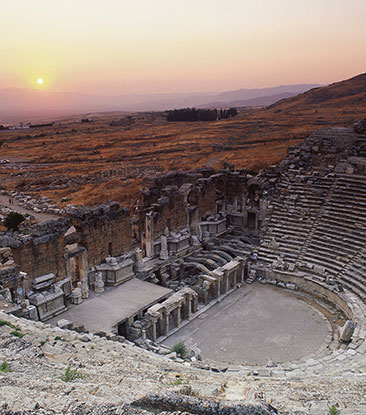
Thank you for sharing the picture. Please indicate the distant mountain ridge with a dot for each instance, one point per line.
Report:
(244, 94)
(253, 102)
(25, 104)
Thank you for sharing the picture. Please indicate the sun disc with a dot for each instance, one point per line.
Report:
(40, 81)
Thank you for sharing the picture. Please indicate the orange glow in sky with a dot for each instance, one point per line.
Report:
(145, 46)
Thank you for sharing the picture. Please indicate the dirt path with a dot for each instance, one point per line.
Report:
(40, 217)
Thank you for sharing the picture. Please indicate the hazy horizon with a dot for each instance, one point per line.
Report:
(17, 104)
(149, 47)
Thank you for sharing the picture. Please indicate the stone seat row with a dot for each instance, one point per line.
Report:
(290, 215)
(353, 275)
(333, 261)
(354, 286)
(300, 205)
(351, 193)
(322, 262)
(350, 178)
(330, 250)
(333, 246)
(331, 229)
(346, 214)
(352, 207)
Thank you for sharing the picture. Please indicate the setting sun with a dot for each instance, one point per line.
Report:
(39, 81)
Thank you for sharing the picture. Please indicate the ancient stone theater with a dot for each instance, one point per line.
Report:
(261, 279)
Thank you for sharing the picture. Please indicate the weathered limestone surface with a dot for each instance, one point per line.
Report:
(117, 374)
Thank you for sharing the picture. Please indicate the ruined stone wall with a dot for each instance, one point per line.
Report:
(42, 251)
(232, 190)
(235, 185)
(9, 278)
(171, 213)
(207, 196)
(196, 195)
(178, 178)
(104, 231)
(176, 206)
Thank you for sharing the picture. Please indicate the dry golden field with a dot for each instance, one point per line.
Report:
(89, 163)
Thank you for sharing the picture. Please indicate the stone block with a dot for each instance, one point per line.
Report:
(64, 324)
(346, 332)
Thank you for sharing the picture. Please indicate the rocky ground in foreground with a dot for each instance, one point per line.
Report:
(119, 378)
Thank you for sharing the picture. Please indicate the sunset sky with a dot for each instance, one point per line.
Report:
(145, 46)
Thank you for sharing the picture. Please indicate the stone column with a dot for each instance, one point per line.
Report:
(84, 287)
(164, 248)
(149, 234)
(195, 304)
(161, 322)
(25, 281)
(167, 322)
(179, 318)
(189, 308)
(154, 330)
(83, 269)
(218, 282)
(139, 263)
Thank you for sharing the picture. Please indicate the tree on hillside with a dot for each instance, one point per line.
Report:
(231, 112)
(13, 220)
(192, 114)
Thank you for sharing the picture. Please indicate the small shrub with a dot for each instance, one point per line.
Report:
(58, 338)
(180, 349)
(71, 374)
(42, 342)
(333, 410)
(4, 367)
(17, 333)
(187, 390)
(6, 323)
(16, 330)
